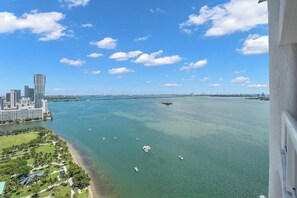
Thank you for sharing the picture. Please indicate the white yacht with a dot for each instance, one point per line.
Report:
(136, 169)
(180, 157)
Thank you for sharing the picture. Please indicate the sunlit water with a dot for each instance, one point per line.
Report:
(224, 142)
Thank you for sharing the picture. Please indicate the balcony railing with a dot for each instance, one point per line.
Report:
(288, 172)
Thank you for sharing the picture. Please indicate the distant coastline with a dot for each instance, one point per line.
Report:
(77, 98)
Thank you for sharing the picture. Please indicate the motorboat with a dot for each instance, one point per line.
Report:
(146, 148)
(180, 157)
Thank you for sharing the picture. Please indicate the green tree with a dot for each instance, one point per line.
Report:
(81, 180)
(35, 188)
(32, 152)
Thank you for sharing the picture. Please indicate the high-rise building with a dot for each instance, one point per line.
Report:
(13, 99)
(39, 89)
(29, 92)
(18, 94)
(44, 106)
(1, 103)
(26, 91)
(7, 98)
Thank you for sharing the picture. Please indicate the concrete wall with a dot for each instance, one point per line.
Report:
(283, 93)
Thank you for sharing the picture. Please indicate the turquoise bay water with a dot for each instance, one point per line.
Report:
(223, 142)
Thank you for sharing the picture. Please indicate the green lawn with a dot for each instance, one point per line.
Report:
(60, 191)
(83, 194)
(48, 148)
(53, 168)
(7, 141)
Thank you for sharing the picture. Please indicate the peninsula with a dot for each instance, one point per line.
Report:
(35, 162)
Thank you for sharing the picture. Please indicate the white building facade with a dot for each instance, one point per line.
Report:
(20, 114)
(283, 98)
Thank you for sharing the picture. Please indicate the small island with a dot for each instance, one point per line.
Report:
(35, 162)
(167, 103)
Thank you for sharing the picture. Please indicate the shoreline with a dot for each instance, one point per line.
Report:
(78, 159)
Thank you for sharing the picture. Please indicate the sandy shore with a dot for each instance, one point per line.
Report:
(77, 159)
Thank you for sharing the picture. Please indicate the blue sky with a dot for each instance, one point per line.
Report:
(135, 46)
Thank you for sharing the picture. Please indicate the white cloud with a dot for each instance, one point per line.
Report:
(170, 85)
(221, 78)
(59, 89)
(186, 30)
(215, 85)
(205, 79)
(254, 44)
(256, 86)
(95, 72)
(239, 72)
(143, 38)
(106, 43)
(94, 55)
(148, 82)
(44, 24)
(76, 63)
(234, 16)
(122, 56)
(156, 10)
(87, 25)
(151, 60)
(76, 3)
(195, 65)
(240, 80)
(120, 70)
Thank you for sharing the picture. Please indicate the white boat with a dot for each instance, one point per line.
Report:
(136, 169)
(103, 138)
(137, 139)
(90, 129)
(180, 157)
(146, 148)
(114, 137)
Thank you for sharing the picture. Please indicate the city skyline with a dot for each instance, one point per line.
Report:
(146, 47)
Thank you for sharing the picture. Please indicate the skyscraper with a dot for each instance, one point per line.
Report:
(7, 98)
(26, 91)
(29, 92)
(39, 89)
(1, 103)
(18, 94)
(13, 99)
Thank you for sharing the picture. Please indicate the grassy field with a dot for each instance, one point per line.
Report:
(48, 148)
(7, 141)
(61, 191)
(83, 194)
